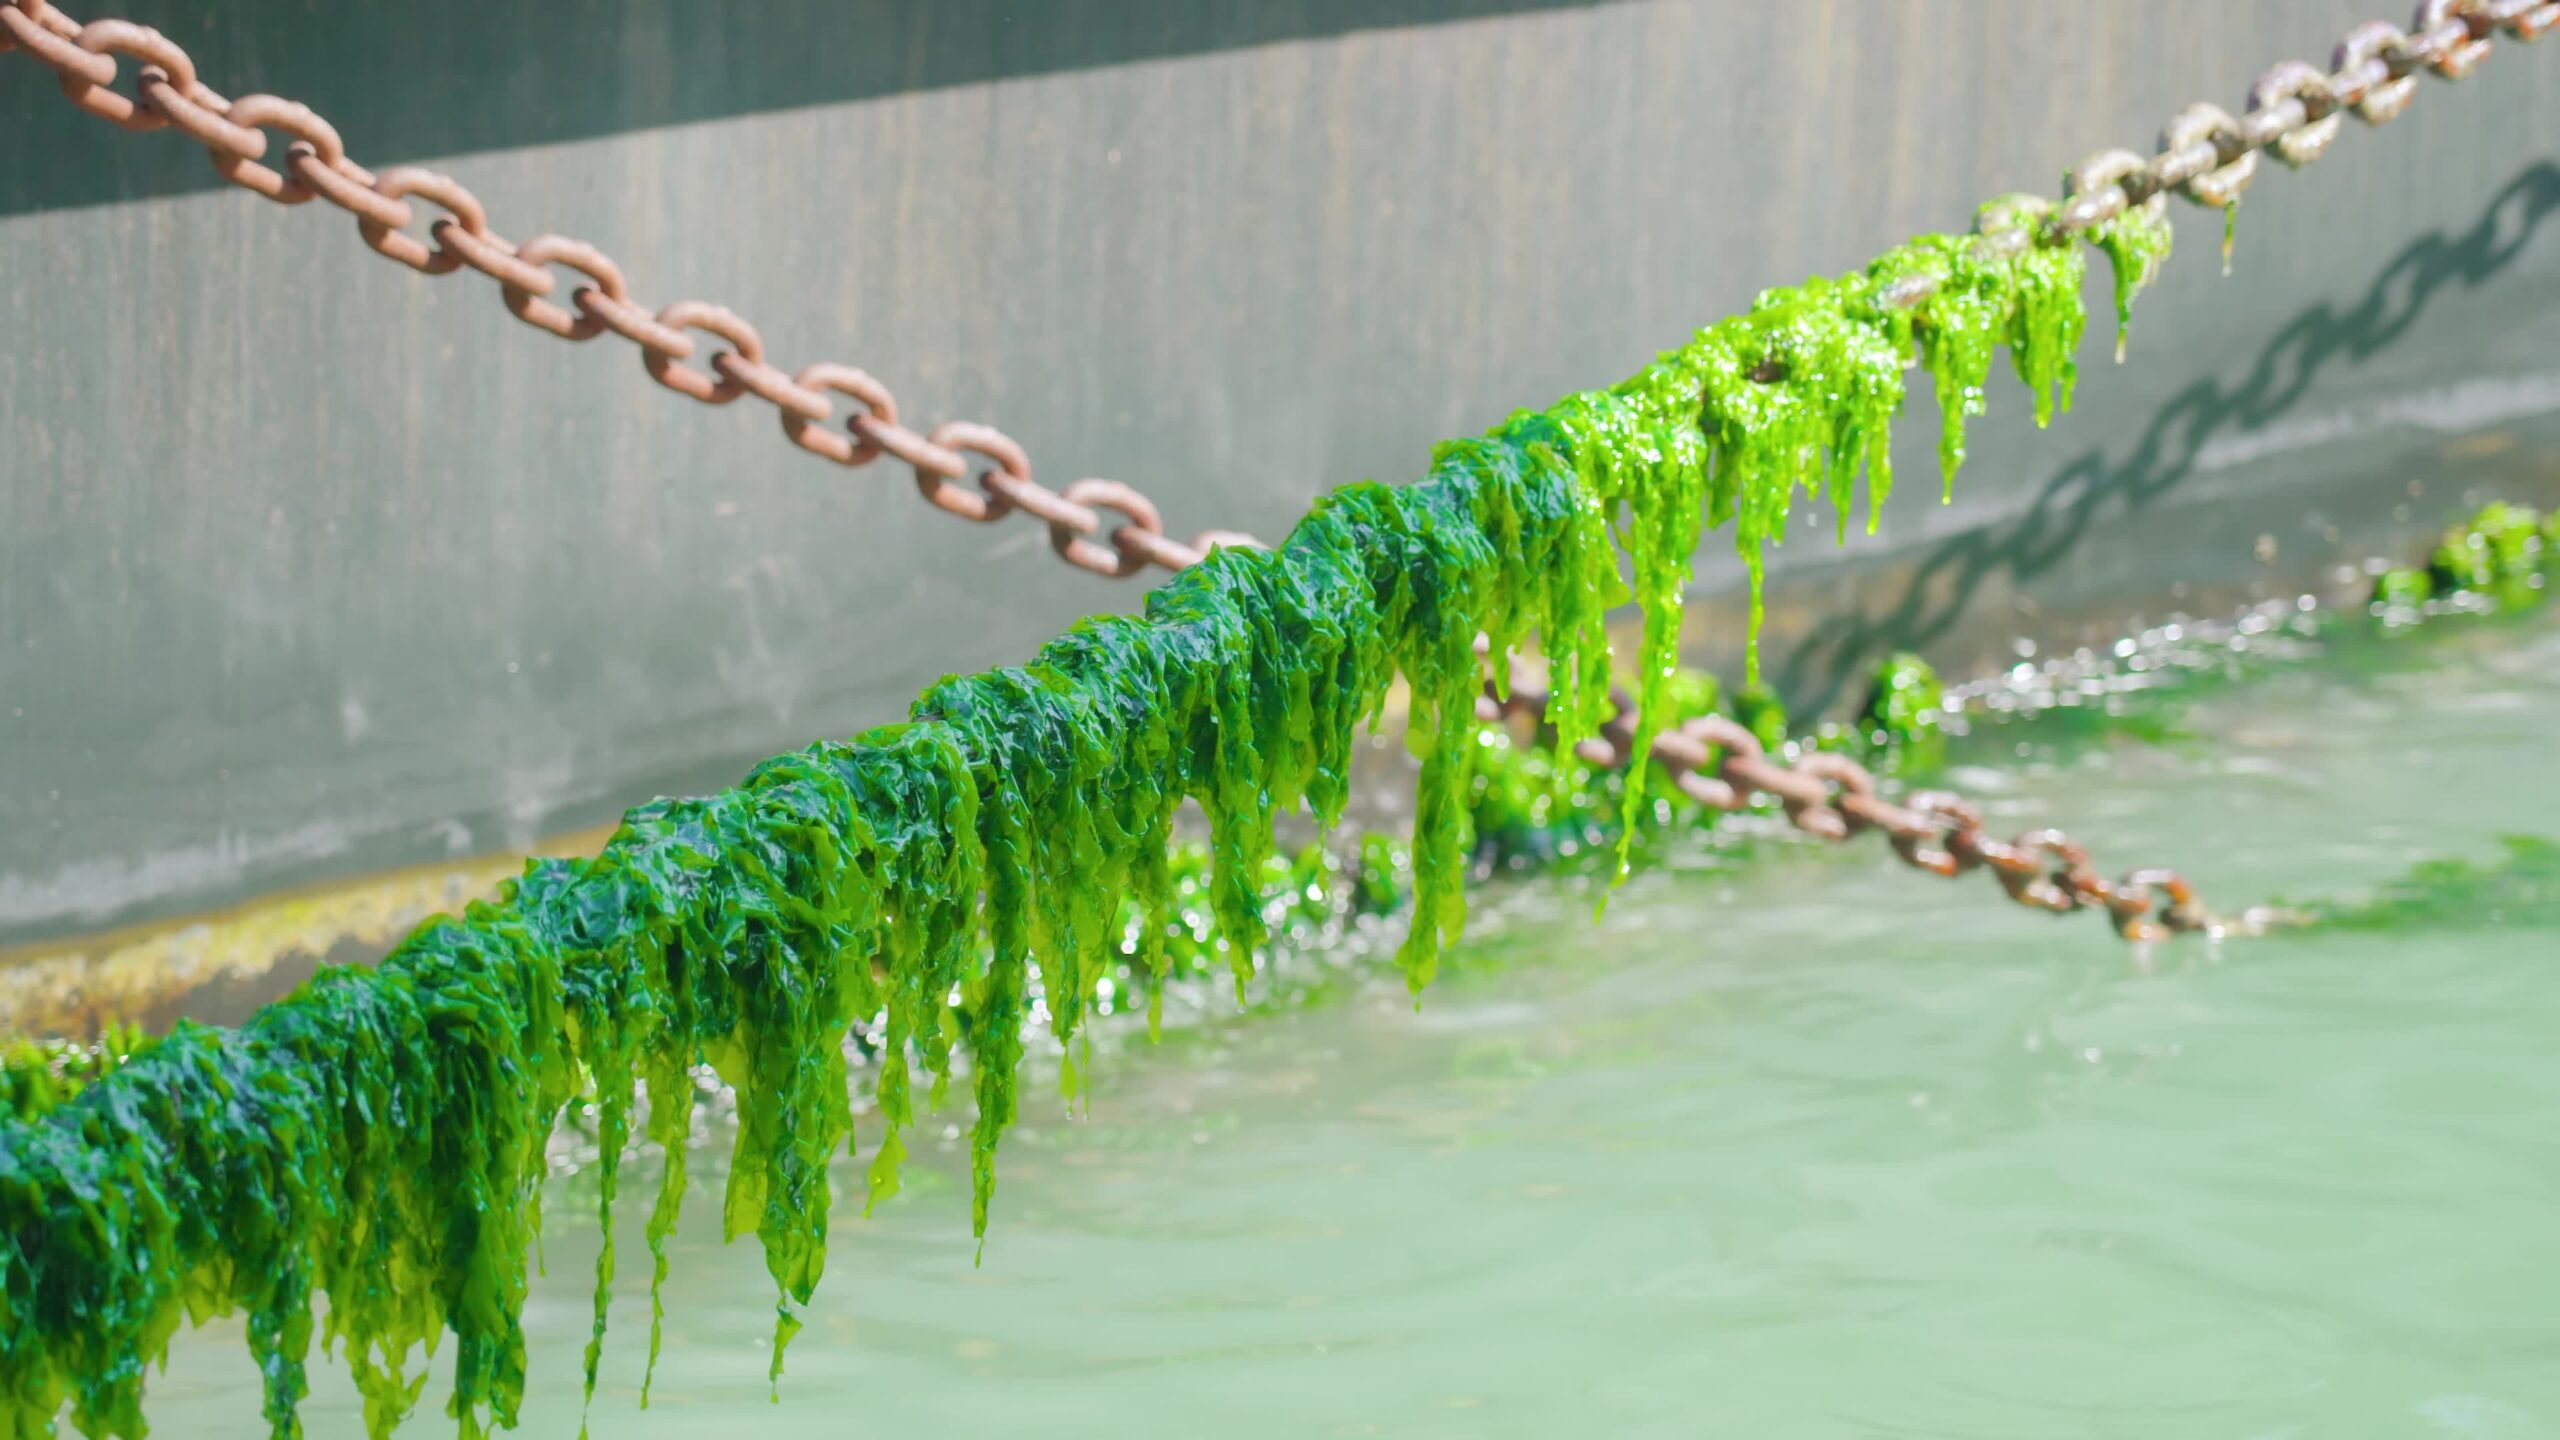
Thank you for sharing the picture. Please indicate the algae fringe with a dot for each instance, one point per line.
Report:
(377, 1138)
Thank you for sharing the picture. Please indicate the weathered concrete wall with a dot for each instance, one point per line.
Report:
(310, 565)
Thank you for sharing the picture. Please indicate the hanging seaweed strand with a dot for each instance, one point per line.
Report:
(376, 1139)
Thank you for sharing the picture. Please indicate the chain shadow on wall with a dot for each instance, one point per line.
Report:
(407, 81)
(1839, 650)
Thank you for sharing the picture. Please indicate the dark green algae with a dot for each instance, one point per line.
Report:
(377, 1139)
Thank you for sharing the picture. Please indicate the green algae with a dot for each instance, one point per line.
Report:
(1531, 803)
(2028, 304)
(2402, 588)
(1906, 701)
(37, 1075)
(1763, 713)
(1533, 800)
(1307, 898)
(2498, 557)
(376, 1139)
(2135, 242)
(2498, 553)
(1800, 392)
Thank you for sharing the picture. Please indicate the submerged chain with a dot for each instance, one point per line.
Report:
(2208, 156)
(168, 95)
(1724, 767)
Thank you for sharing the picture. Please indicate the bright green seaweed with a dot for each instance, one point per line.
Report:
(2497, 557)
(377, 1138)
(2135, 242)
(37, 1075)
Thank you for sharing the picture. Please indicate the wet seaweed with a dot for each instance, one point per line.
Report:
(2496, 559)
(2135, 243)
(1981, 304)
(38, 1074)
(376, 1139)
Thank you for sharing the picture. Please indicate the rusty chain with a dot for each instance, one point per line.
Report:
(2205, 155)
(2208, 156)
(169, 95)
(1724, 767)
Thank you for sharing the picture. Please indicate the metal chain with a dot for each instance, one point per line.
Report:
(168, 95)
(2205, 155)
(1722, 766)
(2208, 157)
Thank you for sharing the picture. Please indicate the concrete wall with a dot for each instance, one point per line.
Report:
(310, 565)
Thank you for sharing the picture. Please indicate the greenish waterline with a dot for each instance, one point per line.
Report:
(2520, 887)
(377, 1138)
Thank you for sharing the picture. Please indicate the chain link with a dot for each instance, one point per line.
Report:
(168, 95)
(2208, 157)
(1724, 767)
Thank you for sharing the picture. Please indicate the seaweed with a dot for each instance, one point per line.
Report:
(37, 1075)
(376, 1139)
(2135, 242)
(2496, 559)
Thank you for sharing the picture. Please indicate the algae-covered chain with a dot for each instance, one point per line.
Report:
(376, 1139)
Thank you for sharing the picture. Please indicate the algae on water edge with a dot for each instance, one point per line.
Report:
(2496, 556)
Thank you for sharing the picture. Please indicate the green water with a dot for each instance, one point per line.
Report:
(1802, 1146)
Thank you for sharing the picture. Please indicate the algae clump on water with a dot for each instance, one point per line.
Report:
(377, 1139)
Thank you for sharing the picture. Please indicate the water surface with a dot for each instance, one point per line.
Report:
(1807, 1145)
